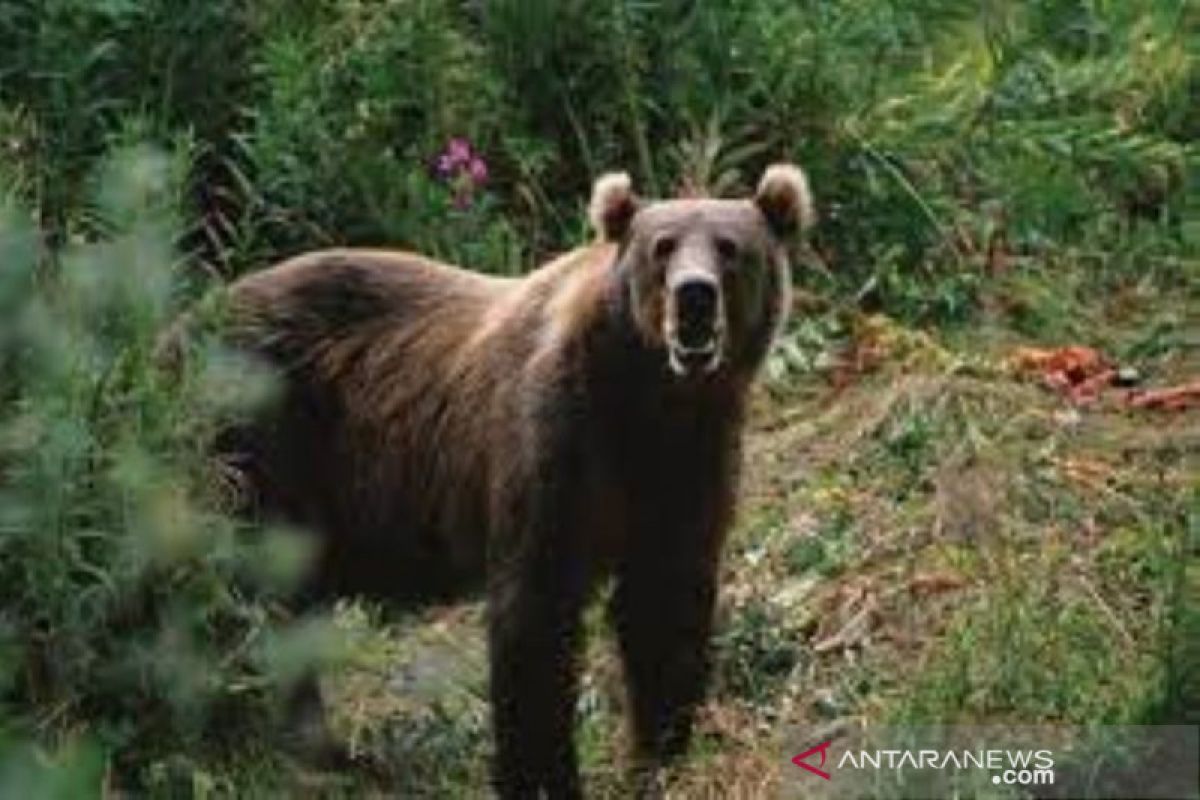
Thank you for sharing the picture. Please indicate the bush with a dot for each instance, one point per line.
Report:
(353, 116)
(135, 614)
(74, 71)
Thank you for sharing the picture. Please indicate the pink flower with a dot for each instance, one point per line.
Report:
(478, 171)
(461, 169)
(458, 150)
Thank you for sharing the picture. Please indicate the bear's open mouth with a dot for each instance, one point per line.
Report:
(690, 360)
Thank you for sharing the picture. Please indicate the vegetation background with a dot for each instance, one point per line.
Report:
(927, 533)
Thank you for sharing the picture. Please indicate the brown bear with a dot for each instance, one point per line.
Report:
(442, 428)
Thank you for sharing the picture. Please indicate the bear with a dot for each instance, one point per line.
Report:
(442, 431)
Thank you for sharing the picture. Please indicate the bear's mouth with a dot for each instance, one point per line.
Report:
(694, 359)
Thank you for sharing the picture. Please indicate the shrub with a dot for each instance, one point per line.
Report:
(134, 612)
(74, 70)
(354, 114)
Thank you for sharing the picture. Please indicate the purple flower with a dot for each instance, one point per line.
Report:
(478, 171)
(461, 169)
(459, 151)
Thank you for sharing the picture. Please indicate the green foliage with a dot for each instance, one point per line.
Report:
(353, 115)
(71, 772)
(756, 653)
(965, 140)
(74, 70)
(134, 613)
(1038, 647)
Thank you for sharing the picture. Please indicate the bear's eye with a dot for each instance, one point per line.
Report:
(663, 247)
(727, 248)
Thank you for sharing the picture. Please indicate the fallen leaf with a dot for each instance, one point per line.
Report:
(1076, 372)
(1174, 398)
(1075, 362)
(1089, 389)
(927, 583)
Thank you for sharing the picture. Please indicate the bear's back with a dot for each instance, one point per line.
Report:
(336, 293)
(402, 379)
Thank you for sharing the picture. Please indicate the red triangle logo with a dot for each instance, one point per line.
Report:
(800, 762)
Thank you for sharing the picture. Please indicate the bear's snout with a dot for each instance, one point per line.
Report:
(696, 306)
(694, 323)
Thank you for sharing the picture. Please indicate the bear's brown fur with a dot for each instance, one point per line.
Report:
(441, 427)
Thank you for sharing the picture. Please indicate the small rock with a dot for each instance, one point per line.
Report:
(1127, 376)
(1068, 417)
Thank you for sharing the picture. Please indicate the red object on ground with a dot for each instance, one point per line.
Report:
(1174, 398)
(1081, 374)
(1076, 372)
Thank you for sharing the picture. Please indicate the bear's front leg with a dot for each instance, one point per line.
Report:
(662, 610)
(534, 630)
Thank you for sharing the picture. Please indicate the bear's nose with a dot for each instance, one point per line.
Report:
(696, 309)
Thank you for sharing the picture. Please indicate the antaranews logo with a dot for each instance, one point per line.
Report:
(855, 760)
(1012, 767)
(799, 759)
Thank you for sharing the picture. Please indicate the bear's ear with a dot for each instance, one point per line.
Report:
(784, 199)
(612, 206)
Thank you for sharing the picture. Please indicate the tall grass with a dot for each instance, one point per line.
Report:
(950, 141)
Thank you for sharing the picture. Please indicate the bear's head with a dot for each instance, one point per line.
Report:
(707, 281)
